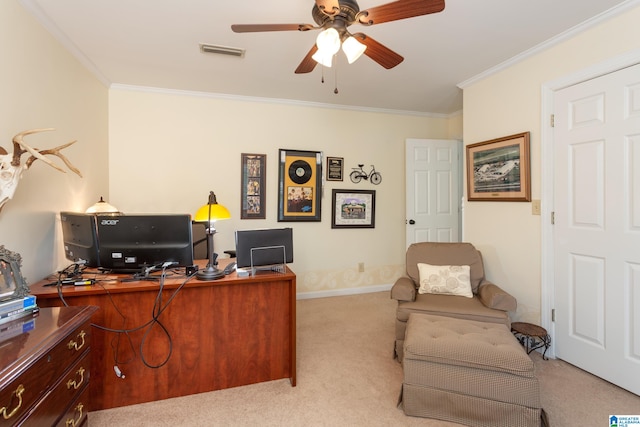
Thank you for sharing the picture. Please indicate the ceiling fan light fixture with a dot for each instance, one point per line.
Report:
(323, 58)
(328, 41)
(353, 49)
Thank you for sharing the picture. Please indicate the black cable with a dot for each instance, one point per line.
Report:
(158, 309)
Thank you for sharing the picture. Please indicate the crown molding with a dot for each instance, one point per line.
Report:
(281, 101)
(61, 37)
(554, 41)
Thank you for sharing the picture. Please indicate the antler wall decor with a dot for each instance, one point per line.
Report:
(11, 168)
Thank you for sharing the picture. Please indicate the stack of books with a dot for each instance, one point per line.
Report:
(17, 327)
(17, 308)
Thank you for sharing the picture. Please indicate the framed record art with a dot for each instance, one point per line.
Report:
(299, 185)
(254, 172)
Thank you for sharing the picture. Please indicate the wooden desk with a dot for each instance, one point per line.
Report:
(221, 334)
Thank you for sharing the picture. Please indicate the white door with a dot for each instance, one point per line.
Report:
(597, 226)
(432, 190)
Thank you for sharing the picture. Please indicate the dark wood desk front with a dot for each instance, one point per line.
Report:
(219, 334)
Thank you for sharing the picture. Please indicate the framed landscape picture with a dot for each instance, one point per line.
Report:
(353, 209)
(499, 169)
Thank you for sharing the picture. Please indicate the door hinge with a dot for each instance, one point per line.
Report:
(552, 120)
(553, 218)
(553, 314)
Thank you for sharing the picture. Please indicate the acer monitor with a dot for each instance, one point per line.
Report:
(129, 243)
(79, 238)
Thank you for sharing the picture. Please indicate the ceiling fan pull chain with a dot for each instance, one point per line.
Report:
(336, 79)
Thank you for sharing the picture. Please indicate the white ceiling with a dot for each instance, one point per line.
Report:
(155, 43)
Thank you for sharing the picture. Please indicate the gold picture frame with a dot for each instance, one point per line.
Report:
(299, 185)
(499, 169)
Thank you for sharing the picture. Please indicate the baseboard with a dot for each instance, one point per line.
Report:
(343, 292)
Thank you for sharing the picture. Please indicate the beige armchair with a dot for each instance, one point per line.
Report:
(488, 303)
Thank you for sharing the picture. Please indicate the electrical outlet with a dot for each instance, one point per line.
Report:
(361, 267)
(535, 207)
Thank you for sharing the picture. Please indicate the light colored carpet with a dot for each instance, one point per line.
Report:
(347, 377)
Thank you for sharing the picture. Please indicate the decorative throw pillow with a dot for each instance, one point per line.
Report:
(445, 279)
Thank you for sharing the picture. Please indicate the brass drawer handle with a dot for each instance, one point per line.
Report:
(17, 393)
(70, 421)
(73, 383)
(74, 345)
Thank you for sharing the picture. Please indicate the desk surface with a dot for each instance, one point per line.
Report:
(117, 283)
(209, 335)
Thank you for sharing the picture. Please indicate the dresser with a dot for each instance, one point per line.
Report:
(45, 368)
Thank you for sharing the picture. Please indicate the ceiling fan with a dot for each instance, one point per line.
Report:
(334, 17)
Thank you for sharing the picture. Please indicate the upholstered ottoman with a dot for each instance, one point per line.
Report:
(468, 372)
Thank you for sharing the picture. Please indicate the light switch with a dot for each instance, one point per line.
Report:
(535, 207)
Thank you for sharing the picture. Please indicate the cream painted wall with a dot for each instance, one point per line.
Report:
(42, 85)
(509, 102)
(168, 150)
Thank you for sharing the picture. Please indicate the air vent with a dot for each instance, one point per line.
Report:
(222, 50)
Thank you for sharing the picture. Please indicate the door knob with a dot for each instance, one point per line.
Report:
(411, 222)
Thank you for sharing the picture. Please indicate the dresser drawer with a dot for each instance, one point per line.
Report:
(71, 385)
(76, 415)
(19, 397)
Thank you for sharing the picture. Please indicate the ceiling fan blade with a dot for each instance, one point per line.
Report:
(379, 52)
(253, 28)
(400, 9)
(308, 64)
(329, 7)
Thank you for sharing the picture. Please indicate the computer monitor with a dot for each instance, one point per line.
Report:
(79, 238)
(129, 243)
(264, 247)
(200, 243)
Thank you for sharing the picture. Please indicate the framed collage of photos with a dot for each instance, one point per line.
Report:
(254, 172)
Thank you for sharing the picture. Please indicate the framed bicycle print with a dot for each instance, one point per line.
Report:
(299, 185)
(253, 187)
(353, 209)
(499, 169)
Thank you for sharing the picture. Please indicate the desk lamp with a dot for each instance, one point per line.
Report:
(102, 207)
(209, 214)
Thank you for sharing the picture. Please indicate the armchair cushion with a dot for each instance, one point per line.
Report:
(445, 279)
(451, 306)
